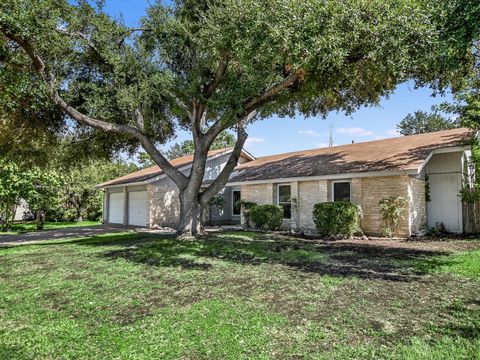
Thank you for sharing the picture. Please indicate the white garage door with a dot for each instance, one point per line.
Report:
(115, 208)
(137, 208)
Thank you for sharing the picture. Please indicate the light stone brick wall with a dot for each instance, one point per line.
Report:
(367, 192)
(375, 189)
(163, 203)
(260, 194)
(356, 191)
(310, 193)
(418, 206)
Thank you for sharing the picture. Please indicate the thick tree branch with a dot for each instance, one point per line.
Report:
(139, 119)
(256, 102)
(217, 78)
(222, 179)
(25, 45)
(259, 100)
(177, 177)
(180, 179)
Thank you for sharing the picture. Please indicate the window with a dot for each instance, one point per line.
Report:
(236, 196)
(283, 199)
(341, 191)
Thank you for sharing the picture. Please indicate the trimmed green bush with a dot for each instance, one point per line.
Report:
(337, 219)
(267, 217)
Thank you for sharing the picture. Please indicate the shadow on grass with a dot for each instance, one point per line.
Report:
(341, 259)
(465, 323)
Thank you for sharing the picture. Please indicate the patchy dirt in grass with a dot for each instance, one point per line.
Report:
(351, 292)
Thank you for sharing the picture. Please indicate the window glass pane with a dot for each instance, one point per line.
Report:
(287, 211)
(284, 193)
(341, 191)
(236, 195)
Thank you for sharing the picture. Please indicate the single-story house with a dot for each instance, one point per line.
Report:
(429, 170)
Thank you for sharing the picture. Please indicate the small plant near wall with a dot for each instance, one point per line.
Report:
(267, 217)
(392, 209)
(339, 219)
(246, 206)
(427, 190)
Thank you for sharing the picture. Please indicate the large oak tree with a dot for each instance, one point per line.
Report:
(210, 65)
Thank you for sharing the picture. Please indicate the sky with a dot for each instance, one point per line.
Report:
(278, 135)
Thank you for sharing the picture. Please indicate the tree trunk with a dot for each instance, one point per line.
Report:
(40, 219)
(191, 221)
(79, 215)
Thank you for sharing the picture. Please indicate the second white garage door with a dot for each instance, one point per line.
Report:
(137, 208)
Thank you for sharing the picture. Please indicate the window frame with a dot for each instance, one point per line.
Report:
(341, 181)
(233, 204)
(284, 202)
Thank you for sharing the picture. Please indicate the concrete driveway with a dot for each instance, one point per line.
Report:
(73, 232)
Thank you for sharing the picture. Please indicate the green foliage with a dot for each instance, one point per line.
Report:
(82, 198)
(145, 160)
(223, 140)
(393, 209)
(184, 148)
(15, 184)
(338, 219)
(341, 52)
(266, 217)
(422, 122)
(46, 194)
(428, 196)
(245, 207)
(470, 195)
(217, 201)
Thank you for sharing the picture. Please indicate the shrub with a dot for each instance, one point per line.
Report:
(267, 217)
(246, 206)
(392, 209)
(336, 219)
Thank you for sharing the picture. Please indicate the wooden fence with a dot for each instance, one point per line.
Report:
(471, 217)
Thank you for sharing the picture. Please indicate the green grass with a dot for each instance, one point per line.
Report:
(465, 264)
(25, 227)
(231, 296)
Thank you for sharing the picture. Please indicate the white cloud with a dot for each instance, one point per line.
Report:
(354, 131)
(308, 132)
(393, 132)
(255, 140)
(321, 145)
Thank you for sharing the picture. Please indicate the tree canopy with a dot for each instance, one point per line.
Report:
(422, 122)
(210, 65)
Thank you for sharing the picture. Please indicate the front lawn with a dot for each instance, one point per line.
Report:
(25, 227)
(239, 295)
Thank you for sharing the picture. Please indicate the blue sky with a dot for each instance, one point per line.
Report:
(276, 135)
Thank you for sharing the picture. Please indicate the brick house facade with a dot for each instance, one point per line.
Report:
(363, 173)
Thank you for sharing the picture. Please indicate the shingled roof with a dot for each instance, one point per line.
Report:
(154, 171)
(405, 153)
